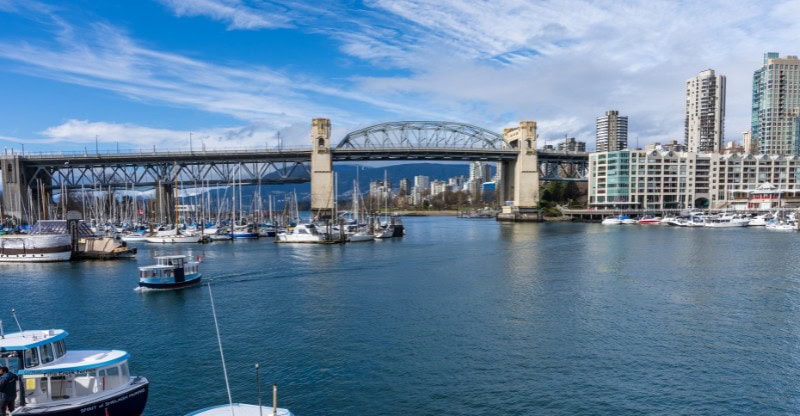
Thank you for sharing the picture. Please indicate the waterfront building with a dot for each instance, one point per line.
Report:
(704, 125)
(571, 145)
(776, 105)
(657, 180)
(612, 132)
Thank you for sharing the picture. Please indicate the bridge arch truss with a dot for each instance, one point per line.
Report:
(423, 134)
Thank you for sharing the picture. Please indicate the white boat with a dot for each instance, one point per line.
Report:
(305, 233)
(239, 409)
(760, 220)
(133, 238)
(59, 382)
(170, 272)
(725, 221)
(176, 238)
(384, 231)
(619, 219)
(358, 235)
(35, 247)
(777, 225)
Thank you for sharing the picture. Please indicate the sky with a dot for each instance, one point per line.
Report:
(224, 74)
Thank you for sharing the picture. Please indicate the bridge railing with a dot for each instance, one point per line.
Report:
(155, 151)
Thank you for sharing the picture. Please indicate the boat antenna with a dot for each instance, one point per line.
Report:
(258, 383)
(14, 314)
(221, 354)
(274, 400)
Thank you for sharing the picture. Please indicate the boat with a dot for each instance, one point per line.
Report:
(239, 409)
(619, 219)
(170, 272)
(174, 238)
(133, 238)
(47, 241)
(649, 220)
(244, 231)
(305, 233)
(725, 221)
(61, 382)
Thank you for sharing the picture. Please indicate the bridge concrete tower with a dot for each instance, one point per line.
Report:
(321, 169)
(23, 190)
(520, 178)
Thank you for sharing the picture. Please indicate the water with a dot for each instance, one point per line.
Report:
(459, 317)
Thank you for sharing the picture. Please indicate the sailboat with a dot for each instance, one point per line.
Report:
(174, 235)
(356, 232)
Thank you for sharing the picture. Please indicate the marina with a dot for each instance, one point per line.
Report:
(578, 312)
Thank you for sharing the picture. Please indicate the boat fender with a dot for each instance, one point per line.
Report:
(199, 259)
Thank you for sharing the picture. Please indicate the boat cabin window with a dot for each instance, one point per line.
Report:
(47, 353)
(60, 348)
(31, 357)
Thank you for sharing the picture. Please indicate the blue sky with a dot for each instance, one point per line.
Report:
(235, 73)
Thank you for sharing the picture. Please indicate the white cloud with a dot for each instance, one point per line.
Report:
(135, 136)
(233, 12)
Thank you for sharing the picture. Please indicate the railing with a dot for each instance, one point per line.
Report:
(165, 152)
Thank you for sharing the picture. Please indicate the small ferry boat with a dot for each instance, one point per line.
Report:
(170, 272)
(57, 382)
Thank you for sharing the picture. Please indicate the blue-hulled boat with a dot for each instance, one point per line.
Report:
(56, 382)
(170, 272)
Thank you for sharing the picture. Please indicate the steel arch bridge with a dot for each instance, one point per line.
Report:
(423, 134)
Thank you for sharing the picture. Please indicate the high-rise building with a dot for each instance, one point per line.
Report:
(704, 125)
(480, 171)
(776, 105)
(571, 145)
(612, 132)
(422, 182)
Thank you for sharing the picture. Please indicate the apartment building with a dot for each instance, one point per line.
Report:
(657, 180)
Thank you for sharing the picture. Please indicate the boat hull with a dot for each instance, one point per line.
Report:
(175, 239)
(35, 248)
(192, 280)
(130, 401)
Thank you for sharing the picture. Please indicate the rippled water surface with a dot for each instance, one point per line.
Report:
(459, 317)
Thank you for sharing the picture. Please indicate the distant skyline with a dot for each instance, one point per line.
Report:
(235, 73)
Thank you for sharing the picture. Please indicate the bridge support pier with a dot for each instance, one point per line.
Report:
(321, 170)
(23, 191)
(520, 178)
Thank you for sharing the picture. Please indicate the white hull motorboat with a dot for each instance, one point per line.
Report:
(174, 239)
(305, 233)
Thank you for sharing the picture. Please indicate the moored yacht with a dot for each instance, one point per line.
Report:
(305, 233)
(56, 382)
